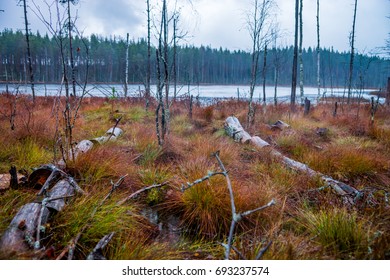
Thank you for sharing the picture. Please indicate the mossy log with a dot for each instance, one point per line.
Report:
(234, 129)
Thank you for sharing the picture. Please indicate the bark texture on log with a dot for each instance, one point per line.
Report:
(19, 236)
(346, 191)
(235, 130)
(58, 195)
(82, 147)
(22, 233)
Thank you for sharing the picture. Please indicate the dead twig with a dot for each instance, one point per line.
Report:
(135, 194)
(236, 216)
(262, 251)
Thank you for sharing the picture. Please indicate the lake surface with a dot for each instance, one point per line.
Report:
(203, 91)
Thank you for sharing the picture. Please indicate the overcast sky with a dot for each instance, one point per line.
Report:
(221, 23)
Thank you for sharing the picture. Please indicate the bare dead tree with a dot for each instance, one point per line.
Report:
(127, 64)
(70, 25)
(264, 72)
(295, 59)
(148, 71)
(300, 51)
(29, 60)
(60, 24)
(259, 24)
(318, 51)
(352, 56)
(174, 65)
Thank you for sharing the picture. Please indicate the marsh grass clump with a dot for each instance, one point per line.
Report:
(24, 154)
(123, 220)
(338, 231)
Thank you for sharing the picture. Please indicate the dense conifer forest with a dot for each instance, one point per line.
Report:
(105, 58)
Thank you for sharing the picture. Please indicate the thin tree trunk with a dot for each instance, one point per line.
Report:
(166, 68)
(352, 41)
(147, 93)
(71, 51)
(318, 50)
(127, 65)
(276, 77)
(300, 51)
(294, 70)
(264, 72)
(30, 68)
(174, 59)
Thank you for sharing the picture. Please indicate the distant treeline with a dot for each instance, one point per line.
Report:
(195, 65)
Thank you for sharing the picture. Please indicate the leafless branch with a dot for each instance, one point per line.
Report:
(135, 194)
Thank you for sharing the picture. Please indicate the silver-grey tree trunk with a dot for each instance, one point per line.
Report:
(352, 42)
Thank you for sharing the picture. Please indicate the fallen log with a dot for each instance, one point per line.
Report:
(28, 225)
(280, 125)
(234, 129)
(85, 145)
(56, 186)
(19, 236)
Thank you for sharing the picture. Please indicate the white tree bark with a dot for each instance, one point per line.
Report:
(234, 129)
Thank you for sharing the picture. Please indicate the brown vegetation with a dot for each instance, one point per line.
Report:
(307, 222)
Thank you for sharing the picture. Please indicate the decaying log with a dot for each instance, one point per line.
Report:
(58, 194)
(112, 134)
(82, 147)
(235, 130)
(85, 145)
(24, 231)
(280, 125)
(347, 192)
(97, 253)
(19, 236)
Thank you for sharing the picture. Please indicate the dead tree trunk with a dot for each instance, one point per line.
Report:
(29, 50)
(234, 129)
(127, 65)
(295, 60)
(318, 51)
(300, 51)
(352, 42)
(148, 72)
(307, 106)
